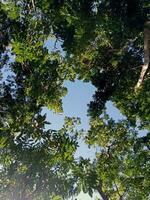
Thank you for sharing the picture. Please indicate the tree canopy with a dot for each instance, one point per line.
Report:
(121, 167)
(106, 43)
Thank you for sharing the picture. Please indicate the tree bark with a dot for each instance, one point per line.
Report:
(146, 55)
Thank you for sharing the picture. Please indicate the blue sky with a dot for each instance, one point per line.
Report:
(75, 105)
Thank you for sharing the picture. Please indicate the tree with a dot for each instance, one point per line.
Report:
(113, 58)
(102, 43)
(121, 168)
(36, 164)
(118, 34)
(32, 158)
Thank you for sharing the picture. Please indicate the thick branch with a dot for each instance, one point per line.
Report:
(101, 192)
(146, 55)
(120, 195)
(33, 4)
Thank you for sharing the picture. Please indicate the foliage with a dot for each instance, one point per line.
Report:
(113, 59)
(102, 43)
(35, 163)
(121, 167)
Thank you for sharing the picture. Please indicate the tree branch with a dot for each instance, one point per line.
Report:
(33, 4)
(120, 195)
(146, 55)
(101, 192)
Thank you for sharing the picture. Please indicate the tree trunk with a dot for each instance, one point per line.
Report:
(146, 55)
